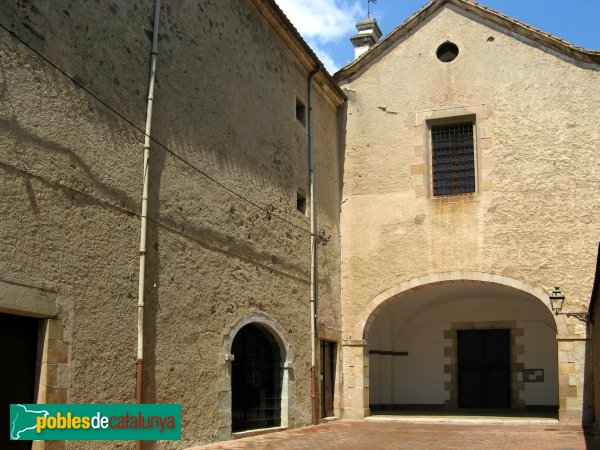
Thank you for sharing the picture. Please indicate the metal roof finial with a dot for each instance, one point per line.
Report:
(369, 7)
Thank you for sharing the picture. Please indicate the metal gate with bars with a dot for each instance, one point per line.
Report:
(256, 380)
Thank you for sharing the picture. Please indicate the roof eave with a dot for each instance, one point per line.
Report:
(304, 55)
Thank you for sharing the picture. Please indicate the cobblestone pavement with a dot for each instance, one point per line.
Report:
(349, 435)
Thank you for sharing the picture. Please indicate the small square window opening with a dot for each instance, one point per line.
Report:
(300, 111)
(452, 159)
(301, 202)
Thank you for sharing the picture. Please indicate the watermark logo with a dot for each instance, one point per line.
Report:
(95, 422)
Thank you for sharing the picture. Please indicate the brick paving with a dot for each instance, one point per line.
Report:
(350, 435)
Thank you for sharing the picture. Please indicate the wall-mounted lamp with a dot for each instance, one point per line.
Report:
(557, 299)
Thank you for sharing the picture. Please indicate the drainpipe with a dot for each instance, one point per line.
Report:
(139, 362)
(313, 257)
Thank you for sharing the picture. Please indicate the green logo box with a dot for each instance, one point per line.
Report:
(93, 422)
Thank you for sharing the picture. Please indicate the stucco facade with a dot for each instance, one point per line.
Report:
(225, 103)
(403, 272)
(533, 215)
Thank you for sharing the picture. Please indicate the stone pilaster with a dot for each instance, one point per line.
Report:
(355, 361)
(571, 370)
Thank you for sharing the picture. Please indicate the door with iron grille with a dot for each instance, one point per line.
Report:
(256, 379)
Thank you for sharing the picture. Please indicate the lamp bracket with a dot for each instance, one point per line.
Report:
(583, 316)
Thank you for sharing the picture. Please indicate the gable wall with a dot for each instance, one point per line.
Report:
(533, 218)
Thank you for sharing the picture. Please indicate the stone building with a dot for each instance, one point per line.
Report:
(433, 262)
(228, 238)
(470, 190)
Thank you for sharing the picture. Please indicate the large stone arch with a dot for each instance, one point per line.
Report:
(227, 357)
(364, 322)
(356, 359)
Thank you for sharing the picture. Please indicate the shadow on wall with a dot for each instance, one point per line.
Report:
(36, 144)
(591, 396)
(152, 280)
(116, 198)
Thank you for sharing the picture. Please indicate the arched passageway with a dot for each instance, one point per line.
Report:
(256, 379)
(460, 345)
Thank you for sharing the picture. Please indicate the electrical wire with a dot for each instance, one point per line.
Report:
(160, 144)
(157, 222)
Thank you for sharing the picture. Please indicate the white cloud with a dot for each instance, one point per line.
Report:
(323, 22)
(324, 56)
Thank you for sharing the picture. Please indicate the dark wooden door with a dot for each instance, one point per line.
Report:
(484, 368)
(18, 350)
(328, 357)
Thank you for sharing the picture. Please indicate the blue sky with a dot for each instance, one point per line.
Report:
(327, 24)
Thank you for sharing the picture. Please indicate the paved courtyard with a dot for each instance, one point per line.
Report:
(373, 435)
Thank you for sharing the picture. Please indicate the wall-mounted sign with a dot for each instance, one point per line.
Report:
(533, 375)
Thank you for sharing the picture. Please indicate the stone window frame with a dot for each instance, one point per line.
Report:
(421, 169)
(453, 127)
(287, 388)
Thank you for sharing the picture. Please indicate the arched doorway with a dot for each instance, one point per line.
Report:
(461, 345)
(256, 379)
(278, 344)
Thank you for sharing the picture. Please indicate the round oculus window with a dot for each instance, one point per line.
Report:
(447, 52)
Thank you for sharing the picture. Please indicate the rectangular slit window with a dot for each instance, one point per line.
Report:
(301, 202)
(300, 111)
(453, 159)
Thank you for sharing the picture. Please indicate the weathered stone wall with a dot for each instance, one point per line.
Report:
(71, 186)
(534, 215)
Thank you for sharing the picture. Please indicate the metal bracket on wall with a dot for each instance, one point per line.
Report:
(322, 238)
(583, 316)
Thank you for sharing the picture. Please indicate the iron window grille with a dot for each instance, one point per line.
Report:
(453, 159)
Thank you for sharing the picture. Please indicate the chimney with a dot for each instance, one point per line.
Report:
(368, 34)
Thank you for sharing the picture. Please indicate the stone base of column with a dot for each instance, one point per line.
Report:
(356, 413)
